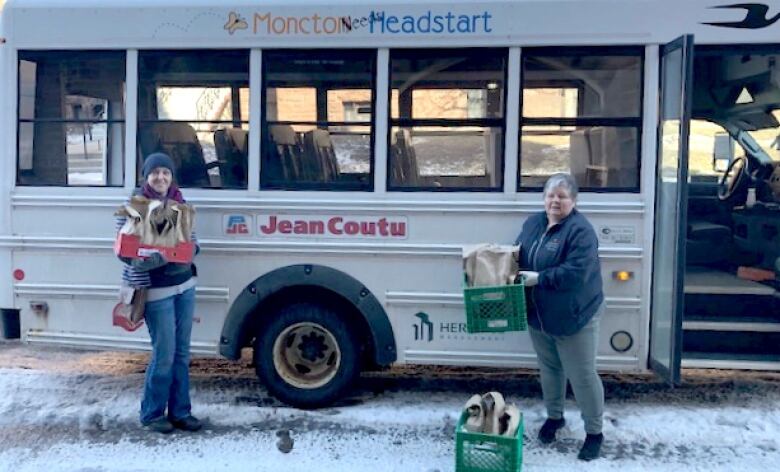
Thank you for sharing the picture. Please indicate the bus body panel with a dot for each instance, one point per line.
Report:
(418, 273)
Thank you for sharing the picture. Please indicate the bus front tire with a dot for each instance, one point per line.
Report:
(306, 355)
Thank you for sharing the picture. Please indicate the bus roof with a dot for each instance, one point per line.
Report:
(43, 24)
(238, 3)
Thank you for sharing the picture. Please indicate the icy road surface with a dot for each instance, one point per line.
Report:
(69, 410)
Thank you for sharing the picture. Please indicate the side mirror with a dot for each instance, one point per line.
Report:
(722, 152)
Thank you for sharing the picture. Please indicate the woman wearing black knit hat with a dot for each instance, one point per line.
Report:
(169, 309)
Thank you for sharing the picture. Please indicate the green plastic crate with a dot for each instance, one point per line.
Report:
(478, 452)
(495, 309)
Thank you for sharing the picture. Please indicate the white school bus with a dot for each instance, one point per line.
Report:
(341, 154)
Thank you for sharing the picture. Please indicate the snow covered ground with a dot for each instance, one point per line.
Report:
(65, 410)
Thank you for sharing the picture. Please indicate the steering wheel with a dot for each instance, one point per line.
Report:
(733, 179)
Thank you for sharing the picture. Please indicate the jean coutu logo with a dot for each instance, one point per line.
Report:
(237, 225)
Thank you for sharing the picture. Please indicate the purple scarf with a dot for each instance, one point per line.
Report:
(173, 193)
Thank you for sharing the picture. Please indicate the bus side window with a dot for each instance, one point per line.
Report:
(71, 118)
(447, 119)
(194, 106)
(318, 111)
(581, 113)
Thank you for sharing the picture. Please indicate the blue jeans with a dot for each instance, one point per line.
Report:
(167, 377)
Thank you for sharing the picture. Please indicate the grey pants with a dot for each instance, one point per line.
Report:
(573, 358)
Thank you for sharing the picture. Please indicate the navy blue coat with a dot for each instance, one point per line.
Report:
(569, 291)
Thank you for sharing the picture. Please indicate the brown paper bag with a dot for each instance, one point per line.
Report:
(487, 265)
(129, 312)
(138, 305)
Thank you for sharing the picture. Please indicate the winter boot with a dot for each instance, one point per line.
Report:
(159, 425)
(592, 447)
(188, 423)
(549, 428)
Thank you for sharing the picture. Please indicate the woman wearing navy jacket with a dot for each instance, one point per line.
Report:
(559, 263)
(170, 305)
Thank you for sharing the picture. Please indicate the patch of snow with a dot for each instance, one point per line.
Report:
(79, 412)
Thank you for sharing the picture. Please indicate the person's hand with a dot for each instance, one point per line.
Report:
(530, 278)
(150, 263)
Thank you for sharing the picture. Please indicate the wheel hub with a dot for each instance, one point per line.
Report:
(306, 355)
(312, 347)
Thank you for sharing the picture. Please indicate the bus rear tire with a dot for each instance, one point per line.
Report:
(306, 355)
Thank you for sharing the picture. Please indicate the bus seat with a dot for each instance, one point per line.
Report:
(320, 155)
(287, 153)
(708, 230)
(597, 169)
(232, 146)
(579, 155)
(404, 170)
(181, 143)
(611, 158)
(706, 242)
(621, 156)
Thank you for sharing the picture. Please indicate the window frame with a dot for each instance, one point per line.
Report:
(448, 122)
(235, 85)
(636, 123)
(108, 121)
(356, 186)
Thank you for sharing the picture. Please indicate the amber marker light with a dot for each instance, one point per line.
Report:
(622, 275)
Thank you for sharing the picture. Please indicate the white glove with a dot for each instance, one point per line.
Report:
(530, 278)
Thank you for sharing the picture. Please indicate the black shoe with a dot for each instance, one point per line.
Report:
(549, 428)
(592, 447)
(188, 423)
(159, 425)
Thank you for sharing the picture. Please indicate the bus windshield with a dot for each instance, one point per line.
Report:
(769, 138)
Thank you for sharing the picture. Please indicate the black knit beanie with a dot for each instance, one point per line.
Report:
(155, 160)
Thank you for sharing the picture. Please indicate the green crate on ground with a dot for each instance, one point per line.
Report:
(495, 309)
(478, 452)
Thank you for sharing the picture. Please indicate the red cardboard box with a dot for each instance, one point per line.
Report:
(127, 245)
